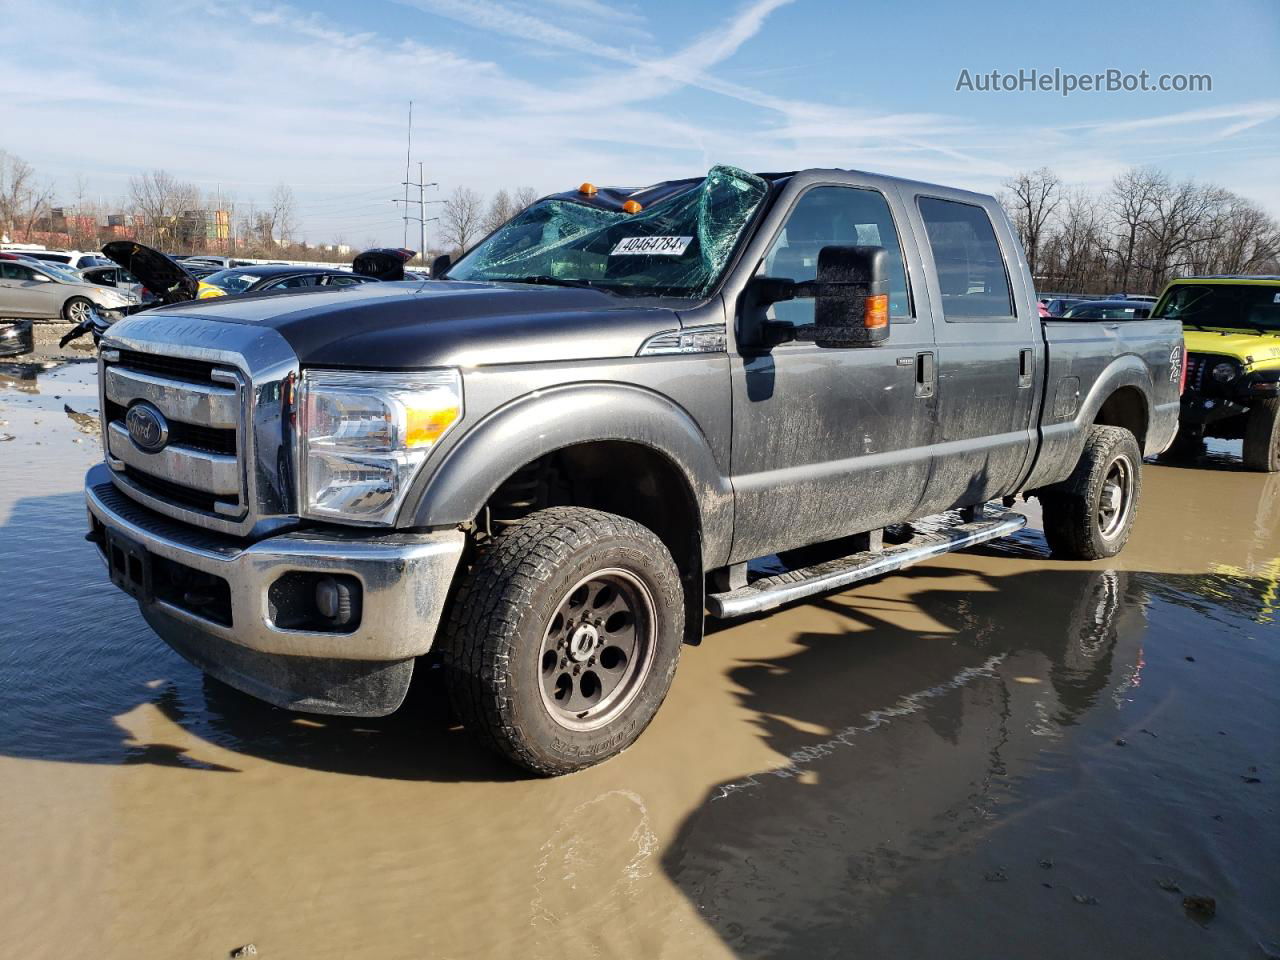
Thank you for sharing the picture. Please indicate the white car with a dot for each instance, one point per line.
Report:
(64, 258)
(48, 291)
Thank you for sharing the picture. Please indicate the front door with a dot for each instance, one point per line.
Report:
(831, 441)
(22, 294)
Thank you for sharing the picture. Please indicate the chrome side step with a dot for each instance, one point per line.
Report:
(768, 592)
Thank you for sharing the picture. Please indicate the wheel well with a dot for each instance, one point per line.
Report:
(618, 476)
(1127, 408)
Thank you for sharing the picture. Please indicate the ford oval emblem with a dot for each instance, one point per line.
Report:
(147, 427)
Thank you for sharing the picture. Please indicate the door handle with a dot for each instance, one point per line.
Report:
(1026, 368)
(925, 376)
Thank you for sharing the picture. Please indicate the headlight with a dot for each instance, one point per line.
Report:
(1224, 372)
(362, 435)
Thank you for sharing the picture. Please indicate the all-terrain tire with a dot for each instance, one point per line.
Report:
(508, 605)
(1079, 523)
(1262, 436)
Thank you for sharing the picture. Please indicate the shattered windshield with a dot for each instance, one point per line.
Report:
(677, 247)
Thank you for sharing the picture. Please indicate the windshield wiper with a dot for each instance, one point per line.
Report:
(546, 280)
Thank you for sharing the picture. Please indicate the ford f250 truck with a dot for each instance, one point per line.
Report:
(619, 411)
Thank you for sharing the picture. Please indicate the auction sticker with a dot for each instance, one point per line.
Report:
(651, 246)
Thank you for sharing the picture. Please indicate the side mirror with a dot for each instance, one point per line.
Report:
(851, 304)
(440, 266)
(850, 294)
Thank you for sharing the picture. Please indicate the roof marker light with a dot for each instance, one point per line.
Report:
(588, 190)
(631, 206)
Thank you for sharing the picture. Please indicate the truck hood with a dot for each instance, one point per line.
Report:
(444, 323)
(1247, 347)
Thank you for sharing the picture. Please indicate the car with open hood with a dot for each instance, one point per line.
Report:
(1232, 329)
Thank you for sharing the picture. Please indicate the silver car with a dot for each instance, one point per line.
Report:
(47, 291)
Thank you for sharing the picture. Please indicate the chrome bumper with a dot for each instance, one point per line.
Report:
(404, 578)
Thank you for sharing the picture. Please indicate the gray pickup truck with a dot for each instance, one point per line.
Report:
(620, 411)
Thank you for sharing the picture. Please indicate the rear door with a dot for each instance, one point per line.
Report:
(830, 441)
(990, 350)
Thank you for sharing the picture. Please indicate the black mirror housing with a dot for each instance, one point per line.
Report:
(851, 297)
(440, 266)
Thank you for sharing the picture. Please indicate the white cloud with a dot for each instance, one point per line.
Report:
(242, 96)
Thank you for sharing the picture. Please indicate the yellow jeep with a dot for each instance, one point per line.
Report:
(1232, 331)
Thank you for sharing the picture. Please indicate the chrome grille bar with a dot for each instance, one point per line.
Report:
(207, 472)
(205, 405)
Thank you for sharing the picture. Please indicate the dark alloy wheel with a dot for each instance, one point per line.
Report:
(564, 637)
(1090, 514)
(597, 649)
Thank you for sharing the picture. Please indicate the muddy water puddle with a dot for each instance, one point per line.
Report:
(993, 754)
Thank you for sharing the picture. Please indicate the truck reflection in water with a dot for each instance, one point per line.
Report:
(907, 749)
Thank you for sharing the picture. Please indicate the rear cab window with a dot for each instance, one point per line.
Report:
(970, 266)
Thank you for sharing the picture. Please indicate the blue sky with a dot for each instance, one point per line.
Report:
(549, 93)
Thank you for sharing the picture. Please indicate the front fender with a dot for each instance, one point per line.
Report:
(541, 422)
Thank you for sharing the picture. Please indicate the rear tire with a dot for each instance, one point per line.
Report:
(563, 640)
(1090, 514)
(1262, 436)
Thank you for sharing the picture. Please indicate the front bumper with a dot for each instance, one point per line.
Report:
(1198, 411)
(232, 632)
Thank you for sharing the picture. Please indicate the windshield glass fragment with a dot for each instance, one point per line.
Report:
(677, 247)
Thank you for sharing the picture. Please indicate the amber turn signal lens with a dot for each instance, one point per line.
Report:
(876, 313)
(631, 207)
(587, 189)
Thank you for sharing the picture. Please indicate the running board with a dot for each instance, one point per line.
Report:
(772, 591)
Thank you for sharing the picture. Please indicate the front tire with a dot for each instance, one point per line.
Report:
(564, 638)
(1262, 436)
(76, 310)
(1089, 515)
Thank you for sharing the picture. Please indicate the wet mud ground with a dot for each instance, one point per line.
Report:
(995, 754)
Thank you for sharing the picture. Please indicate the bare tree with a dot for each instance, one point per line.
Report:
(1132, 195)
(523, 198)
(284, 213)
(22, 200)
(461, 218)
(501, 209)
(165, 204)
(1032, 199)
(1182, 218)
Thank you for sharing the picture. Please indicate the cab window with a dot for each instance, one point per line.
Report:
(293, 283)
(835, 216)
(971, 274)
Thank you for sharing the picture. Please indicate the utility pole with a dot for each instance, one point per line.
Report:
(422, 217)
(407, 153)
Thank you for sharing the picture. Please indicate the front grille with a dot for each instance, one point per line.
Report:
(175, 368)
(200, 469)
(1201, 381)
(209, 439)
(177, 492)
